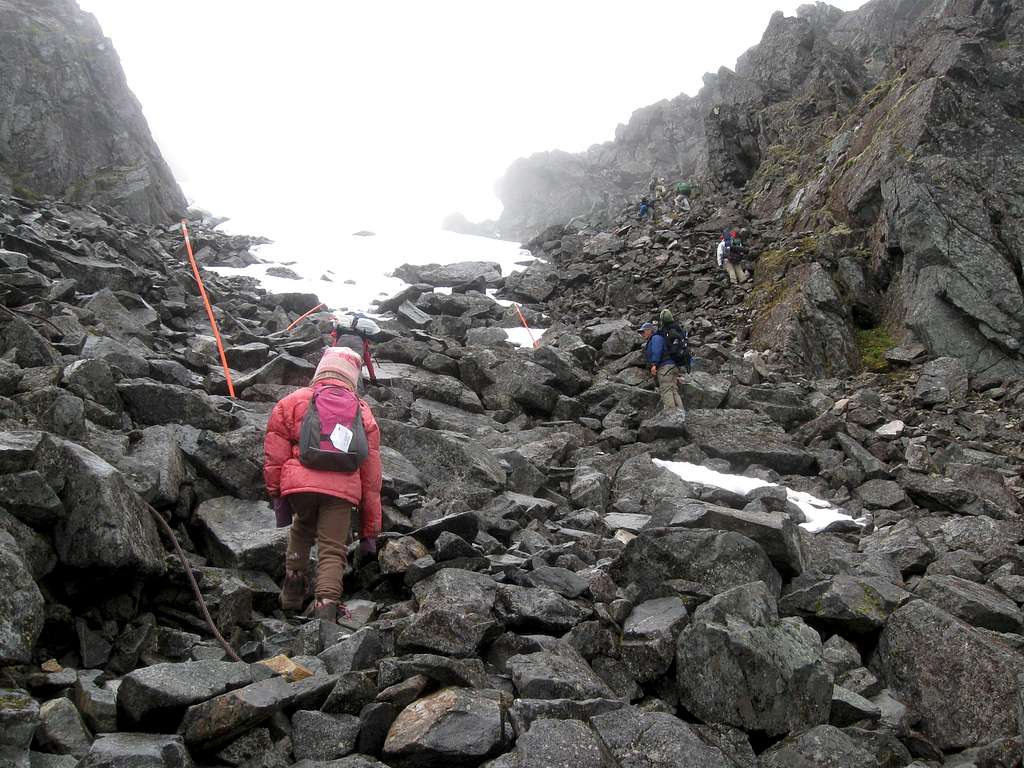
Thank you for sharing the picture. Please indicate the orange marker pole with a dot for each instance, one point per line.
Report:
(209, 309)
(527, 327)
(314, 309)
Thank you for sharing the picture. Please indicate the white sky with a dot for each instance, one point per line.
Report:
(391, 115)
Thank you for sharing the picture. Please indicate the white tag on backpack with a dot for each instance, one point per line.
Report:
(341, 437)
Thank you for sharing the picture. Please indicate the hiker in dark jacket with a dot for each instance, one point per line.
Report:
(355, 332)
(664, 369)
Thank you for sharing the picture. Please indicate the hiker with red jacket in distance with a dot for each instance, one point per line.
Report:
(320, 501)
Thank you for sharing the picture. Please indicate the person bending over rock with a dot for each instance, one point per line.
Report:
(322, 466)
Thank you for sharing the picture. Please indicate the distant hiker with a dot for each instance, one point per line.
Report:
(664, 368)
(645, 208)
(355, 331)
(322, 466)
(682, 202)
(730, 260)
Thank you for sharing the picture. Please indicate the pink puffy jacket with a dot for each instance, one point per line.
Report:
(284, 474)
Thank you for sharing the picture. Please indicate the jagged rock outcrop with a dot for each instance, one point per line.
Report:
(69, 125)
(895, 129)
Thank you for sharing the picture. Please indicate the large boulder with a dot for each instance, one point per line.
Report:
(634, 737)
(739, 664)
(943, 380)
(430, 386)
(451, 275)
(775, 532)
(551, 743)
(557, 674)
(455, 613)
(453, 727)
(960, 682)
(155, 698)
(137, 750)
(21, 605)
(19, 719)
(150, 402)
(106, 525)
(746, 437)
(977, 604)
(447, 460)
(857, 604)
(29, 347)
(218, 721)
(714, 561)
(824, 746)
(240, 534)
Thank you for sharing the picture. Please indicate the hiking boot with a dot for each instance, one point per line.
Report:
(294, 591)
(331, 611)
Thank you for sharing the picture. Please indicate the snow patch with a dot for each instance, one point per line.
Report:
(820, 514)
(521, 337)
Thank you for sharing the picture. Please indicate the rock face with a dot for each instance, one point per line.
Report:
(868, 156)
(54, 136)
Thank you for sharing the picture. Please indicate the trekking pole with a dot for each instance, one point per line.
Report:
(209, 309)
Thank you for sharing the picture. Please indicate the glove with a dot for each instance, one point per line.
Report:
(368, 546)
(282, 511)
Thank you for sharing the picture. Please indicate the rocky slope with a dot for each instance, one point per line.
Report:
(544, 590)
(69, 125)
(896, 127)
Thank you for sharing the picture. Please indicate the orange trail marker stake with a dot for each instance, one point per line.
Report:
(209, 309)
(314, 309)
(519, 312)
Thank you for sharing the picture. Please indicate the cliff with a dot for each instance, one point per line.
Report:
(69, 125)
(897, 127)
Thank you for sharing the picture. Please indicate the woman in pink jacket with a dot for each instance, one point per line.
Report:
(319, 502)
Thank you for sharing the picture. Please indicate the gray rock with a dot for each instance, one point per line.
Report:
(538, 609)
(411, 316)
(358, 651)
(714, 560)
(744, 438)
(977, 604)
(155, 698)
(959, 681)
(30, 498)
(551, 743)
(155, 466)
(775, 532)
(869, 464)
(704, 390)
(455, 613)
(19, 719)
(450, 275)
(46, 760)
(95, 701)
(213, 724)
(858, 604)
(556, 674)
(649, 637)
(34, 548)
(319, 736)
(664, 425)
(942, 380)
(449, 462)
(589, 489)
(453, 727)
(486, 337)
(536, 283)
(771, 675)
(655, 740)
(153, 403)
(849, 708)
(398, 554)
(61, 730)
(461, 673)
(21, 605)
(241, 534)
(30, 348)
(560, 580)
(881, 494)
(91, 379)
(137, 750)
(822, 747)
(903, 542)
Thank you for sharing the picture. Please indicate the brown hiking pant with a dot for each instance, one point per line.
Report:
(668, 387)
(326, 520)
(737, 274)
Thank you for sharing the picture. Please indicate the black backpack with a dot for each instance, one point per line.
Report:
(677, 347)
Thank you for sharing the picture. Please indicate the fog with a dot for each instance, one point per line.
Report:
(323, 115)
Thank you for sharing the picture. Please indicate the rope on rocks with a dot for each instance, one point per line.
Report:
(195, 587)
